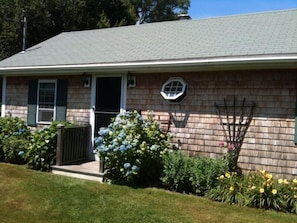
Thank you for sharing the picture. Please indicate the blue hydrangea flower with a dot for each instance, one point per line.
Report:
(154, 147)
(123, 148)
(134, 168)
(99, 140)
(127, 165)
(21, 153)
(103, 132)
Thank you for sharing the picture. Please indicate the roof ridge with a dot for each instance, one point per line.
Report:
(178, 21)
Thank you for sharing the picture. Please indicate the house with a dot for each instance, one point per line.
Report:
(210, 79)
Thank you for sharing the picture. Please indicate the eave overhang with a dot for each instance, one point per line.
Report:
(184, 65)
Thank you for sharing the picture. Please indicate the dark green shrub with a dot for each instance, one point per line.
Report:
(14, 138)
(43, 146)
(205, 172)
(177, 172)
(14, 149)
(196, 175)
(132, 148)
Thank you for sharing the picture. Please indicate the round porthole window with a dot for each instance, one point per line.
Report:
(174, 90)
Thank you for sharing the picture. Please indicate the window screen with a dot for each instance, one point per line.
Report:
(46, 101)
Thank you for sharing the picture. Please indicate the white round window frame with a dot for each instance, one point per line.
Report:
(172, 99)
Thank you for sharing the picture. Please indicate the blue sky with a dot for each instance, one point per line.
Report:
(214, 8)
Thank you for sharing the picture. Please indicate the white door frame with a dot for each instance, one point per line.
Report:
(93, 98)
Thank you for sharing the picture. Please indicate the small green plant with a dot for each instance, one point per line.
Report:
(132, 148)
(42, 149)
(196, 175)
(14, 138)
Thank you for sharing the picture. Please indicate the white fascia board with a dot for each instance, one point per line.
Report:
(256, 62)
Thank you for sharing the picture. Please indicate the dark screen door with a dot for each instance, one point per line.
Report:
(108, 100)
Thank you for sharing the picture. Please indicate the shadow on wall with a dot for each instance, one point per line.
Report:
(179, 119)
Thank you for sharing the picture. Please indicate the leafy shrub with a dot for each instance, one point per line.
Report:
(191, 174)
(205, 173)
(14, 149)
(177, 172)
(132, 148)
(14, 138)
(43, 146)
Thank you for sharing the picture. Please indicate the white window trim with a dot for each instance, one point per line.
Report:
(175, 97)
(37, 112)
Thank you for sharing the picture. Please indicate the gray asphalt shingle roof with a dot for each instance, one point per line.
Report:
(270, 33)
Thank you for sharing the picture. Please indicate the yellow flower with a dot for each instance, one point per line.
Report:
(253, 187)
(286, 181)
(274, 191)
(261, 190)
(280, 181)
(262, 171)
(231, 188)
(295, 196)
(295, 181)
(227, 175)
(222, 177)
(268, 175)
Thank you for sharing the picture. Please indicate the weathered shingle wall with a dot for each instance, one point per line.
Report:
(269, 141)
(17, 97)
(78, 100)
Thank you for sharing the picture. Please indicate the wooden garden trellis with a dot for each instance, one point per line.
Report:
(235, 119)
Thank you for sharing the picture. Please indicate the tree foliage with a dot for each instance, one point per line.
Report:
(159, 10)
(47, 18)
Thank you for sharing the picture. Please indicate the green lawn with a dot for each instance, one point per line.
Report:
(31, 196)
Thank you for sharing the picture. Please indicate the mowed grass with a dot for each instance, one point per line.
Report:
(31, 196)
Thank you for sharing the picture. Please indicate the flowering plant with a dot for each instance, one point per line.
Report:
(256, 189)
(230, 189)
(132, 148)
(231, 155)
(263, 191)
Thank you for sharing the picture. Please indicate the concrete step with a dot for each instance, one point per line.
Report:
(86, 171)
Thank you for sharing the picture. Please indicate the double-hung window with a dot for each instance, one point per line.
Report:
(47, 90)
(47, 101)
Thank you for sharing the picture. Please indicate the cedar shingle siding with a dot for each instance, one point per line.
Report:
(269, 141)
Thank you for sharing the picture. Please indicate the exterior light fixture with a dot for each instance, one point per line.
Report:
(131, 80)
(86, 80)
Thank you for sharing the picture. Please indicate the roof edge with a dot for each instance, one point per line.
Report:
(226, 63)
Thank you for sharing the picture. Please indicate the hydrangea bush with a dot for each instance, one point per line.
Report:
(14, 139)
(41, 153)
(132, 148)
